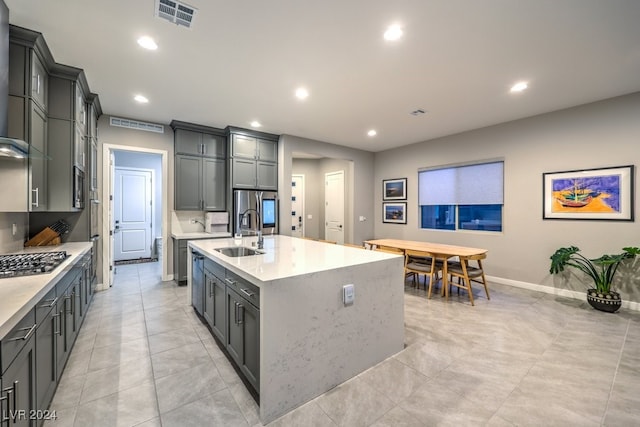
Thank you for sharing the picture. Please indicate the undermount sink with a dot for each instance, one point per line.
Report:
(236, 251)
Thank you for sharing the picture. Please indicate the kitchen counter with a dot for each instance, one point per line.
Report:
(287, 257)
(199, 235)
(18, 295)
(310, 341)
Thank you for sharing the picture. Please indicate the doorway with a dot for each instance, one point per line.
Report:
(159, 215)
(132, 212)
(297, 205)
(334, 206)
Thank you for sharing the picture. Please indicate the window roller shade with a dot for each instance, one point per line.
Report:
(480, 184)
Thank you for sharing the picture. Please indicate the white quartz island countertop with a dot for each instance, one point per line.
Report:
(18, 295)
(286, 257)
(187, 235)
(310, 339)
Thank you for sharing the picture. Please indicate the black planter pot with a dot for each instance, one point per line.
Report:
(609, 302)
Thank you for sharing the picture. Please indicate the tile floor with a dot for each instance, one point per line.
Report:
(143, 358)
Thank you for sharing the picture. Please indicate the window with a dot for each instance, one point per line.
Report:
(467, 197)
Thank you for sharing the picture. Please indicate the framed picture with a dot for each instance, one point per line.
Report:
(594, 194)
(394, 212)
(394, 189)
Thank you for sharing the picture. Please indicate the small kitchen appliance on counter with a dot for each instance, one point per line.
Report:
(13, 265)
(216, 222)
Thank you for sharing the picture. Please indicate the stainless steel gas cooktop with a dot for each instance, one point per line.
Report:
(14, 265)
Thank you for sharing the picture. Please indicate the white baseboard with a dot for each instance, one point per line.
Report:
(631, 305)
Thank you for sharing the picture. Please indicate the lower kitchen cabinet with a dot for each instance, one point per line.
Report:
(231, 308)
(18, 381)
(34, 353)
(180, 261)
(243, 336)
(214, 312)
(47, 318)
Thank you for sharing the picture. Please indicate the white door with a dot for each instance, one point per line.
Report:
(334, 206)
(132, 214)
(297, 205)
(112, 268)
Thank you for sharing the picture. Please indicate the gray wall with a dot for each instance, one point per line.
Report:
(600, 134)
(9, 242)
(361, 183)
(131, 159)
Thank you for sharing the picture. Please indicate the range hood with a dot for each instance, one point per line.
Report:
(11, 147)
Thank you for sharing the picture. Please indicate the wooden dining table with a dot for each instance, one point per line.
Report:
(438, 250)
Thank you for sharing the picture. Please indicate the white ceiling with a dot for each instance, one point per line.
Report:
(243, 60)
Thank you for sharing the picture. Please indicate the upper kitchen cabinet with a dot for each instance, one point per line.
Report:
(200, 167)
(254, 159)
(67, 138)
(29, 65)
(94, 111)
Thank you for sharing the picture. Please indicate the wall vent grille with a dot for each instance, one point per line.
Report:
(175, 12)
(134, 124)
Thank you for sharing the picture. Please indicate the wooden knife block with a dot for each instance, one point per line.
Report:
(46, 237)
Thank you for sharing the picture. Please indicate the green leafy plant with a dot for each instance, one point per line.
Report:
(601, 270)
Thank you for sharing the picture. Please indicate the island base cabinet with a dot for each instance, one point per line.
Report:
(214, 304)
(243, 336)
(219, 318)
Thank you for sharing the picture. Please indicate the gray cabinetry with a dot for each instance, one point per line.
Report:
(180, 261)
(231, 308)
(213, 180)
(37, 160)
(243, 334)
(214, 312)
(34, 353)
(253, 160)
(200, 167)
(18, 380)
(47, 318)
(188, 185)
(28, 105)
(67, 139)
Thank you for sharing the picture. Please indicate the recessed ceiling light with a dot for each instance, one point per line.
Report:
(256, 124)
(519, 87)
(147, 43)
(141, 99)
(302, 93)
(372, 132)
(394, 32)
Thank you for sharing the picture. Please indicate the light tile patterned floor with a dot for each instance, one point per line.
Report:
(143, 358)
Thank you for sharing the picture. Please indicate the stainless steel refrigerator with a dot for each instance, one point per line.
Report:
(254, 209)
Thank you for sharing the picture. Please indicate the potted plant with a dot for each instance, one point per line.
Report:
(601, 270)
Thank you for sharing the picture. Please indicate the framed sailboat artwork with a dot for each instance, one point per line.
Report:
(591, 194)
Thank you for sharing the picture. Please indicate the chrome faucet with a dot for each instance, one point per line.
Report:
(258, 231)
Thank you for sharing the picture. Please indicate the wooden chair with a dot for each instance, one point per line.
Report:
(418, 262)
(467, 273)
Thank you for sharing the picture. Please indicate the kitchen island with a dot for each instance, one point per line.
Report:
(309, 339)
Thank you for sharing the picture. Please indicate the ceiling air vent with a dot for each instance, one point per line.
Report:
(176, 12)
(134, 124)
